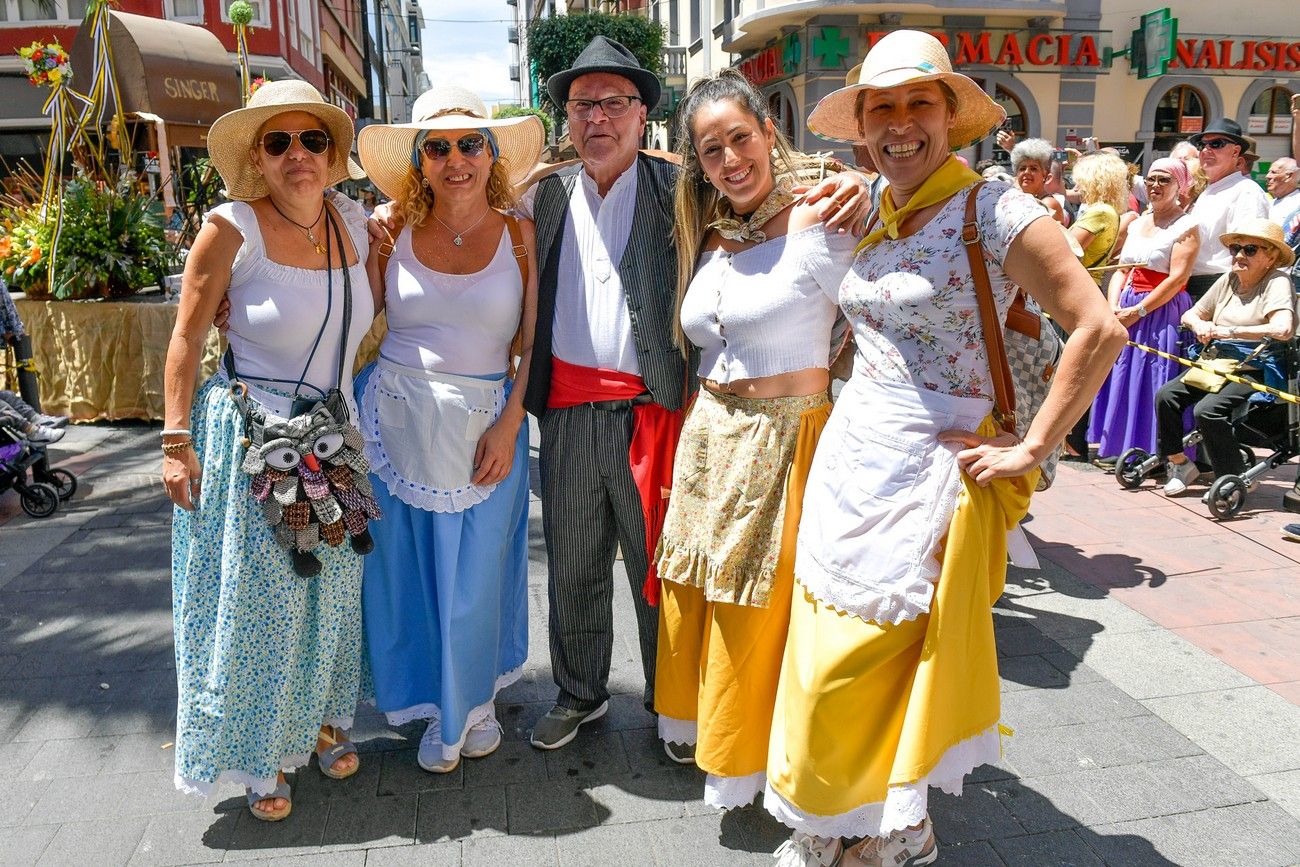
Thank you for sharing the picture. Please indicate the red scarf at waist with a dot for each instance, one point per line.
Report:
(1144, 280)
(655, 431)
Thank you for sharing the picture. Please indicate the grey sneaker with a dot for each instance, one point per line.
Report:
(51, 420)
(1180, 476)
(805, 850)
(899, 849)
(430, 755)
(682, 754)
(45, 435)
(482, 739)
(560, 725)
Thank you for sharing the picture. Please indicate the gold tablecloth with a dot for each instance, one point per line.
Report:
(103, 360)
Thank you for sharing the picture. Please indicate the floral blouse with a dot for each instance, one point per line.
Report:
(912, 301)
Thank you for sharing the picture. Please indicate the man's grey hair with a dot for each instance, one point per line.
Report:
(1036, 150)
(1285, 164)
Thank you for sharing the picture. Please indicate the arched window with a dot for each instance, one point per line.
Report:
(1271, 113)
(782, 112)
(987, 149)
(1179, 114)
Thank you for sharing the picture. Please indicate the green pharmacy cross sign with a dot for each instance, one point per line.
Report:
(831, 47)
(1151, 47)
(791, 54)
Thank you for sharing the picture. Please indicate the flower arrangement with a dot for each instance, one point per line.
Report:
(256, 83)
(46, 64)
(240, 13)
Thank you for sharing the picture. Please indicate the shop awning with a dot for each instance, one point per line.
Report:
(178, 72)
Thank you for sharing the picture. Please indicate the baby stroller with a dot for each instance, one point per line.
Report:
(47, 488)
(1272, 425)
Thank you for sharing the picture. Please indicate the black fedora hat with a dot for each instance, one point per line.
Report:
(1227, 128)
(605, 55)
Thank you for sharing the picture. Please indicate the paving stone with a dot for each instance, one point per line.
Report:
(371, 822)
(1282, 788)
(14, 757)
(427, 855)
(1080, 703)
(513, 762)
(696, 841)
(86, 757)
(1170, 665)
(1251, 730)
(355, 858)
(551, 806)
(24, 846)
(95, 844)
(1202, 781)
(1058, 848)
(59, 723)
(1022, 640)
(1261, 835)
(17, 798)
(299, 834)
(401, 773)
(517, 719)
(645, 752)
(976, 815)
(627, 711)
(460, 813)
(110, 796)
(592, 755)
(310, 783)
(535, 851)
(1030, 672)
(649, 797)
(977, 854)
(624, 845)
(1048, 804)
(189, 838)
(1064, 749)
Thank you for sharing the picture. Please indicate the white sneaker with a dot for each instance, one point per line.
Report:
(1180, 476)
(482, 739)
(805, 850)
(430, 754)
(44, 435)
(899, 849)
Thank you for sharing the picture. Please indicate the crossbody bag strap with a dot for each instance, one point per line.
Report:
(1004, 392)
(347, 290)
(520, 252)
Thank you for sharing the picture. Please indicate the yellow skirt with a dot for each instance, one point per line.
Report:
(719, 663)
(868, 716)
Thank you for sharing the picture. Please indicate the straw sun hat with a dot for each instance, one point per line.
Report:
(904, 57)
(234, 134)
(1264, 231)
(386, 150)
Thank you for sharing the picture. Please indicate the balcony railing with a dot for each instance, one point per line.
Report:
(674, 61)
(514, 72)
(512, 34)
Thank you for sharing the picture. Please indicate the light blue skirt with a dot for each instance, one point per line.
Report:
(263, 656)
(445, 603)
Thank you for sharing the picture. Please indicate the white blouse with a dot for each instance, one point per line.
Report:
(768, 309)
(1155, 249)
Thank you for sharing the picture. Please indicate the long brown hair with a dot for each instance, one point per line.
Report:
(696, 201)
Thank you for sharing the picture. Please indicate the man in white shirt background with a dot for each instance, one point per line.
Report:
(1283, 184)
(1230, 198)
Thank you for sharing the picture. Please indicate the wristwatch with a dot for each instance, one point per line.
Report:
(1142, 310)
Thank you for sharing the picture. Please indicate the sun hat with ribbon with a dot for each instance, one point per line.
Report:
(1263, 231)
(905, 57)
(387, 150)
(234, 134)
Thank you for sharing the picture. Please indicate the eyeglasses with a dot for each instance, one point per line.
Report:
(1248, 249)
(612, 106)
(1159, 182)
(471, 145)
(313, 141)
(1215, 143)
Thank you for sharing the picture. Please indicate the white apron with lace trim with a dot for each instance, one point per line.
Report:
(421, 430)
(881, 493)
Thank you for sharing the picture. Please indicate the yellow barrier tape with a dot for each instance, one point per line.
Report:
(1231, 377)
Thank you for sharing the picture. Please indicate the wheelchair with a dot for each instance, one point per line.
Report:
(23, 467)
(1270, 425)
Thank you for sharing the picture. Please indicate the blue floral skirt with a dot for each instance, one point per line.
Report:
(263, 656)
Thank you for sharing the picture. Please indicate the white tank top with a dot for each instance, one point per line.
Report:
(451, 323)
(277, 310)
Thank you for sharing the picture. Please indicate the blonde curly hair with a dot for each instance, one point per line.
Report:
(1103, 177)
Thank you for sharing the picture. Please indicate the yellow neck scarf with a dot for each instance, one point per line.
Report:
(947, 180)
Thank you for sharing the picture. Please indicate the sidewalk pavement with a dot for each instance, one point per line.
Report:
(1149, 671)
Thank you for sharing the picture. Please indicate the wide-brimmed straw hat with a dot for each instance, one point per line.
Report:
(904, 57)
(234, 134)
(387, 150)
(1263, 231)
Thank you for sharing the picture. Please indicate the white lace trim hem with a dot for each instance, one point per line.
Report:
(431, 712)
(730, 793)
(904, 805)
(678, 731)
(416, 496)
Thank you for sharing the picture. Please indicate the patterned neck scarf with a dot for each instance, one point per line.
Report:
(733, 228)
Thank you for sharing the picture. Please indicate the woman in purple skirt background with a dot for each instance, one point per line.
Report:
(1147, 294)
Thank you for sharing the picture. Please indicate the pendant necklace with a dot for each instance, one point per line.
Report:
(458, 238)
(311, 236)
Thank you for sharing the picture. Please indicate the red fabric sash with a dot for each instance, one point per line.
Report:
(1144, 279)
(655, 431)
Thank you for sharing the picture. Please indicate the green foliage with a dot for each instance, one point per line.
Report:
(523, 110)
(554, 43)
(240, 12)
(110, 246)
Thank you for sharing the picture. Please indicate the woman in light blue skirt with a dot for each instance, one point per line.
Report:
(445, 594)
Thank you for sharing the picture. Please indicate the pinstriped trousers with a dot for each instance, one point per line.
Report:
(589, 506)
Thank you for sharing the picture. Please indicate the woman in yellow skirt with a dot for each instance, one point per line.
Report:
(756, 295)
(889, 683)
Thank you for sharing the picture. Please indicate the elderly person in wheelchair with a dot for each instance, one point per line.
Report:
(1251, 304)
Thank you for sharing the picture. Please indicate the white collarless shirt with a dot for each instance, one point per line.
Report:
(1224, 204)
(592, 327)
(1280, 209)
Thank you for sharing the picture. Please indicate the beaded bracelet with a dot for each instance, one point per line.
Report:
(172, 449)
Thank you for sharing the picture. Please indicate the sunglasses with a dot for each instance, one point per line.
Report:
(1248, 249)
(471, 145)
(313, 141)
(1159, 181)
(1215, 143)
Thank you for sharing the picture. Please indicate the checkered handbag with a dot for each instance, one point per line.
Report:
(1029, 350)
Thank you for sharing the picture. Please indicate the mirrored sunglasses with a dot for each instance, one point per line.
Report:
(471, 145)
(313, 141)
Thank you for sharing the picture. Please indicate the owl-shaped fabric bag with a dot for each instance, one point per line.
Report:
(309, 473)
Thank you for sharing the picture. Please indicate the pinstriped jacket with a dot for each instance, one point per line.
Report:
(648, 271)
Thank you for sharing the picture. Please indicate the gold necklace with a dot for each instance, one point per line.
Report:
(311, 236)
